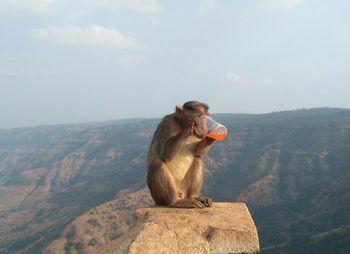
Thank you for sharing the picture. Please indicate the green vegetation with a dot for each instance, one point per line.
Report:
(71, 233)
(113, 235)
(93, 222)
(92, 242)
(70, 244)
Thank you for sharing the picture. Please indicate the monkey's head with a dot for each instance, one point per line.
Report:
(190, 113)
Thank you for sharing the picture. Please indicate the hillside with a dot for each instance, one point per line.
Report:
(101, 225)
(291, 168)
(51, 174)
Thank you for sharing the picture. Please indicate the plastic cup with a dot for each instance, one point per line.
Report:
(207, 126)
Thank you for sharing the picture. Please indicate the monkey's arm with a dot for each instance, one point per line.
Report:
(173, 145)
(203, 147)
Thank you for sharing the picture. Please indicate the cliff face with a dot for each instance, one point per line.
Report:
(223, 228)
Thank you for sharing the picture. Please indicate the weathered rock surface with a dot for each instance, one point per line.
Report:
(223, 228)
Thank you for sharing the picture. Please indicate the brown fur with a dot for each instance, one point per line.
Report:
(175, 168)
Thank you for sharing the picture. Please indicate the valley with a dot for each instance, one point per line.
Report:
(72, 188)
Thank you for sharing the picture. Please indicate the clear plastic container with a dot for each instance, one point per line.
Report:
(207, 126)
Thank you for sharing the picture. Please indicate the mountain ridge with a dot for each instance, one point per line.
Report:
(136, 119)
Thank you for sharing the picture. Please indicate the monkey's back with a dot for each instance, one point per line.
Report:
(163, 132)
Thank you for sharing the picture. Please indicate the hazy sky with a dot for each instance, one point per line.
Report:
(64, 61)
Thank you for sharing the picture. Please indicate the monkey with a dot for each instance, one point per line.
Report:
(175, 167)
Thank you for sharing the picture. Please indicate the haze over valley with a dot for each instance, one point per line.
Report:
(291, 168)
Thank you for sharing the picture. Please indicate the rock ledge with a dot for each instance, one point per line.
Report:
(223, 228)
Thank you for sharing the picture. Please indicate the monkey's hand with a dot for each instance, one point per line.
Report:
(209, 140)
(189, 203)
(208, 202)
(203, 147)
(187, 131)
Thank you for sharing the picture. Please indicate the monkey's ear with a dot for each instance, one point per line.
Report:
(178, 111)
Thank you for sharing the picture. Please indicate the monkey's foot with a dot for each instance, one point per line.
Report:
(188, 203)
(208, 202)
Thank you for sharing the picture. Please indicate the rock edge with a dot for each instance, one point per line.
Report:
(223, 228)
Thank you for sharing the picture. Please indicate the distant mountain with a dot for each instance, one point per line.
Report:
(292, 169)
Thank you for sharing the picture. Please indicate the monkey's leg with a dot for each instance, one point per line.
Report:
(161, 183)
(164, 190)
(193, 182)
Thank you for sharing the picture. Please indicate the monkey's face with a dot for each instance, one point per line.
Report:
(201, 128)
(190, 119)
(193, 120)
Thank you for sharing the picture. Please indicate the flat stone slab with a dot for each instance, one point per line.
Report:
(222, 228)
